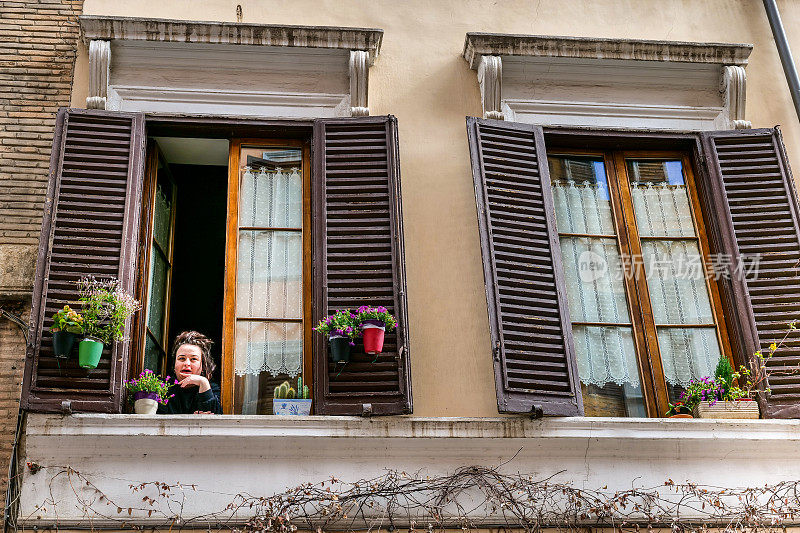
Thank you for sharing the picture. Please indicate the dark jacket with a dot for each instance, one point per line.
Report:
(187, 401)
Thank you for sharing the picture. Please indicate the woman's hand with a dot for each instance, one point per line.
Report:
(195, 380)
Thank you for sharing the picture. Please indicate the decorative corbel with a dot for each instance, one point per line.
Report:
(99, 66)
(490, 78)
(359, 83)
(732, 87)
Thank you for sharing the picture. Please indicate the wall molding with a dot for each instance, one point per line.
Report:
(616, 83)
(99, 69)
(498, 44)
(186, 31)
(359, 83)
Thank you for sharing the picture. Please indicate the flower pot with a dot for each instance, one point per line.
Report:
(374, 331)
(682, 415)
(340, 349)
(742, 409)
(89, 352)
(63, 341)
(291, 407)
(145, 403)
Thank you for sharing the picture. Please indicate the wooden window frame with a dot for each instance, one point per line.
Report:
(229, 129)
(153, 155)
(654, 386)
(231, 261)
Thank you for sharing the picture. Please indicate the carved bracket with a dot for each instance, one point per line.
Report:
(733, 89)
(99, 66)
(490, 78)
(359, 83)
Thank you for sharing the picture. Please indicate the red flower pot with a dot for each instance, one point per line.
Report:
(373, 336)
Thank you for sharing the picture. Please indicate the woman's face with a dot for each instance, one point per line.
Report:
(188, 361)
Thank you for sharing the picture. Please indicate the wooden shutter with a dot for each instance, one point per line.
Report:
(534, 357)
(358, 260)
(757, 213)
(90, 226)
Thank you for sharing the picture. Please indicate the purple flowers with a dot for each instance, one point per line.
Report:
(149, 381)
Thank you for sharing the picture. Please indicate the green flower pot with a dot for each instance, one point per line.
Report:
(89, 352)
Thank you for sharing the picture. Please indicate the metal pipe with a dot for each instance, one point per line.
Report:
(784, 52)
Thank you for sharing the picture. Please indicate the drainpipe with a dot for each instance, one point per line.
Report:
(784, 52)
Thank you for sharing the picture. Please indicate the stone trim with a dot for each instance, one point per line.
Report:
(733, 87)
(185, 31)
(477, 45)
(359, 83)
(99, 69)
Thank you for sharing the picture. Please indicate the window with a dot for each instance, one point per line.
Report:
(248, 247)
(642, 299)
(561, 211)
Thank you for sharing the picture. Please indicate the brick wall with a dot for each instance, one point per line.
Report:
(37, 54)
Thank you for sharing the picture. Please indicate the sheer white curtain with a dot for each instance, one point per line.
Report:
(269, 274)
(595, 287)
(676, 280)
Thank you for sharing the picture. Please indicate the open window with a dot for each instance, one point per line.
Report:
(246, 238)
(621, 265)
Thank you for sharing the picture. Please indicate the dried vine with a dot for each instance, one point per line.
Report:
(470, 498)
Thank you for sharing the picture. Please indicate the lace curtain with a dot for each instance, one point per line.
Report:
(596, 291)
(269, 273)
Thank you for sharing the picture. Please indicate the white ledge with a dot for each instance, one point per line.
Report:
(232, 426)
(95, 27)
(477, 45)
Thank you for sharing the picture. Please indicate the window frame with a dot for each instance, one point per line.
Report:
(229, 318)
(297, 132)
(629, 240)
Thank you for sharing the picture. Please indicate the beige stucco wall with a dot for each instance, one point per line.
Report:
(421, 78)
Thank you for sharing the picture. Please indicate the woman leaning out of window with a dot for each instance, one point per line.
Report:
(194, 393)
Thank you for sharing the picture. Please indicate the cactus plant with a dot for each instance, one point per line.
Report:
(306, 392)
(285, 391)
(292, 394)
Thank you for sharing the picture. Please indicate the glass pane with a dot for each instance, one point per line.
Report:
(688, 353)
(162, 215)
(608, 371)
(152, 355)
(274, 347)
(580, 194)
(271, 191)
(660, 199)
(156, 294)
(676, 282)
(594, 280)
(253, 392)
(269, 280)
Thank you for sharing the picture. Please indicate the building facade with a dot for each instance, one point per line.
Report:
(481, 170)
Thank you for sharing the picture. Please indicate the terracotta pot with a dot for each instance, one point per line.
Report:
(681, 416)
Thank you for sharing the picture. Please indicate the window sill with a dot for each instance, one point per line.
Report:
(233, 426)
(264, 455)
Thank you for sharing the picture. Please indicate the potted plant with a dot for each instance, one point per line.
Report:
(147, 391)
(373, 323)
(105, 307)
(720, 397)
(341, 330)
(678, 410)
(67, 325)
(290, 401)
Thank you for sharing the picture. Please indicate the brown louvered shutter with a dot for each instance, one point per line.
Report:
(532, 347)
(757, 213)
(358, 260)
(90, 226)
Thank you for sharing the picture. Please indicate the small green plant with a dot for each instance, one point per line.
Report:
(105, 307)
(380, 313)
(68, 320)
(678, 409)
(723, 374)
(285, 391)
(342, 323)
(150, 382)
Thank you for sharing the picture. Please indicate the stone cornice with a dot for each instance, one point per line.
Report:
(477, 45)
(95, 27)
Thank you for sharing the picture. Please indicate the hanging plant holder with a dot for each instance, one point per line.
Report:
(374, 332)
(89, 352)
(63, 342)
(340, 348)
